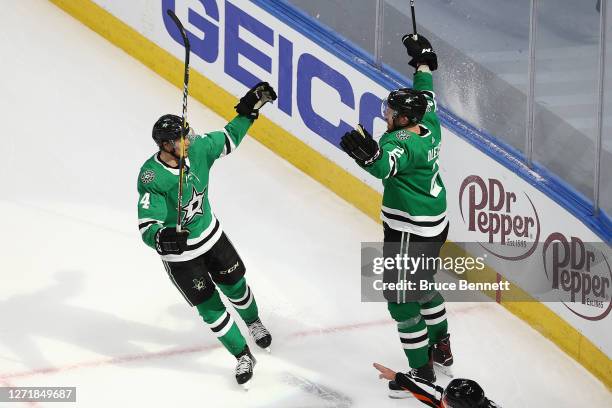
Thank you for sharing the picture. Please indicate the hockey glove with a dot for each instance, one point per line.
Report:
(168, 241)
(421, 51)
(360, 145)
(257, 97)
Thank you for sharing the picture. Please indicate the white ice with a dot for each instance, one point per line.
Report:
(83, 302)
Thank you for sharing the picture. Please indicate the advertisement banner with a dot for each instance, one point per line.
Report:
(526, 236)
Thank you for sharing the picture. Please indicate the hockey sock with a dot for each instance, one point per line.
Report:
(241, 297)
(221, 323)
(434, 314)
(412, 332)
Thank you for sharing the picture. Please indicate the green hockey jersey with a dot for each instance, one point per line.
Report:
(414, 198)
(158, 191)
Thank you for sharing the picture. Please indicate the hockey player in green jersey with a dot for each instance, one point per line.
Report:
(413, 210)
(201, 258)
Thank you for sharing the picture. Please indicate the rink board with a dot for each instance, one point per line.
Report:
(305, 131)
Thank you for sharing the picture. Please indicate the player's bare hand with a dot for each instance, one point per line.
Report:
(385, 373)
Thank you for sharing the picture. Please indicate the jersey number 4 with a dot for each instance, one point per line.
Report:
(145, 201)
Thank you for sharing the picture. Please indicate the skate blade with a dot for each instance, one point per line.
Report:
(400, 394)
(246, 386)
(446, 370)
(268, 350)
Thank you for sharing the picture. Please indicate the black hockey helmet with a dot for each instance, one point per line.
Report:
(409, 102)
(462, 393)
(167, 128)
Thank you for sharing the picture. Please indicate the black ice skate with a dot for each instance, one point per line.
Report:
(443, 356)
(244, 367)
(260, 334)
(425, 373)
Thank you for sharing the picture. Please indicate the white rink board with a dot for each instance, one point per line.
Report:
(146, 17)
(459, 159)
(84, 303)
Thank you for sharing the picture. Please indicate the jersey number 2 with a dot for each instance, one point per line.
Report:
(435, 187)
(145, 201)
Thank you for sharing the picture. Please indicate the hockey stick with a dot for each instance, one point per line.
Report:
(184, 117)
(414, 30)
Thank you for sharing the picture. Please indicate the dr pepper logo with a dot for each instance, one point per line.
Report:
(506, 220)
(580, 273)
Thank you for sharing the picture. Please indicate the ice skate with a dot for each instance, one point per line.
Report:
(244, 367)
(425, 373)
(260, 334)
(442, 356)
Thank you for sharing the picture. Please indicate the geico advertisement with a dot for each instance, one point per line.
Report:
(237, 44)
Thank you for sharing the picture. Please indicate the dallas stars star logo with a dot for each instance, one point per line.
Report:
(199, 284)
(194, 207)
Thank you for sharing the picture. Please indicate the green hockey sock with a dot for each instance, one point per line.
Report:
(221, 323)
(241, 297)
(415, 342)
(434, 314)
(412, 332)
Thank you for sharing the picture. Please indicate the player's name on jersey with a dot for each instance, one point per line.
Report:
(424, 284)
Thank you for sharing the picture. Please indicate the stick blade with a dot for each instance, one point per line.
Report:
(180, 26)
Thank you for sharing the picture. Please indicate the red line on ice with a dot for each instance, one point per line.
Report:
(188, 350)
(109, 361)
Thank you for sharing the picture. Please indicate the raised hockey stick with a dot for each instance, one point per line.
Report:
(179, 206)
(414, 31)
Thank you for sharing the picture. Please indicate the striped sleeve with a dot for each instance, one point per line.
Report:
(237, 129)
(217, 144)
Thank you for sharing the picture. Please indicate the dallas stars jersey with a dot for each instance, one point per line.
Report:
(414, 198)
(158, 191)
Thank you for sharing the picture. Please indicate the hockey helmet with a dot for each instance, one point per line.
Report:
(168, 127)
(409, 102)
(462, 393)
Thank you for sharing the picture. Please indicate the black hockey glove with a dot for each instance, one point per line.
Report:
(360, 145)
(257, 97)
(421, 51)
(171, 242)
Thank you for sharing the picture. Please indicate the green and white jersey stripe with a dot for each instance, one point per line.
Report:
(423, 225)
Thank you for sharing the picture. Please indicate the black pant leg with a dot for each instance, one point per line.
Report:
(223, 262)
(415, 248)
(192, 279)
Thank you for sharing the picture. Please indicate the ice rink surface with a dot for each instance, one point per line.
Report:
(84, 303)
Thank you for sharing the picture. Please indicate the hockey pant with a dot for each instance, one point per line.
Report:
(420, 315)
(198, 280)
